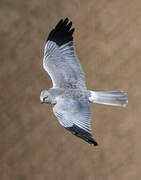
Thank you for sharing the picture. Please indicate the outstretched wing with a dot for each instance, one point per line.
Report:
(60, 60)
(75, 116)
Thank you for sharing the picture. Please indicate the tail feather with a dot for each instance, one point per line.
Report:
(113, 98)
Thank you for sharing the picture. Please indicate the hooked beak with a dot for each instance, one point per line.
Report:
(42, 101)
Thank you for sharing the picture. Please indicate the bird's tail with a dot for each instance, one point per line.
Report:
(113, 98)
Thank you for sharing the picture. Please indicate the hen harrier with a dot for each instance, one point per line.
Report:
(69, 93)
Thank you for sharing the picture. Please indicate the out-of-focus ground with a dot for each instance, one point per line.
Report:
(33, 145)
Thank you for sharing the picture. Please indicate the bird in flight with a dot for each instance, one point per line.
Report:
(69, 93)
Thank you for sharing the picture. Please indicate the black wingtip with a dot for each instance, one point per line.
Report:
(79, 132)
(62, 33)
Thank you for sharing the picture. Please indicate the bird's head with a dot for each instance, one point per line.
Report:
(46, 97)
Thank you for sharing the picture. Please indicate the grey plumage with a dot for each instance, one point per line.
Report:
(63, 66)
(69, 93)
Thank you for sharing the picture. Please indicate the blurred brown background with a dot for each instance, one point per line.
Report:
(33, 145)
